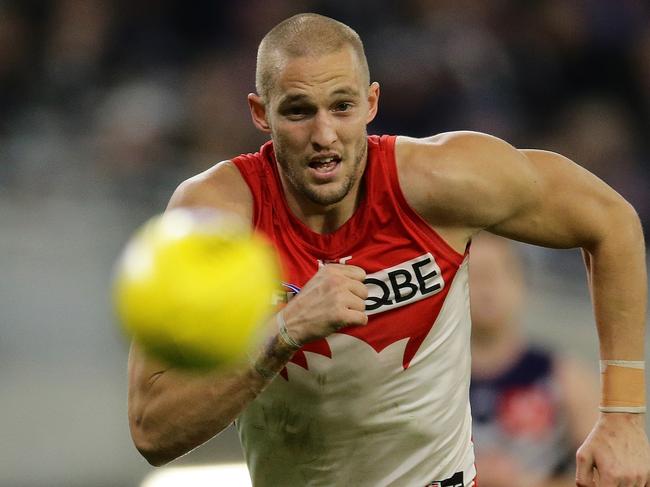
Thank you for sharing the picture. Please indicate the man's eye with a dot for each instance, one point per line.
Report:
(296, 112)
(343, 107)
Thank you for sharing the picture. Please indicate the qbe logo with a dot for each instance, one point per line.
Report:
(404, 283)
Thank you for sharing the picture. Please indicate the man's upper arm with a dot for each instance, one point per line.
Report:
(476, 181)
(569, 206)
(465, 181)
(221, 187)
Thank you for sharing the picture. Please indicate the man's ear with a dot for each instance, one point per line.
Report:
(373, 101)
(258, 112)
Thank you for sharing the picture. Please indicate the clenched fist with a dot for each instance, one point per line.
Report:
(334, 298)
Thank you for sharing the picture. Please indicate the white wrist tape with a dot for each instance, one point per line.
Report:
(623, 386)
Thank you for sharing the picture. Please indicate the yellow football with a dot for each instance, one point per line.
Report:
(194, 287)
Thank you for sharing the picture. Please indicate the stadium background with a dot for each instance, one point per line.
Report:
(105, 106)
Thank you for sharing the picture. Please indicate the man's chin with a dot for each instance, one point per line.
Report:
(326, 194)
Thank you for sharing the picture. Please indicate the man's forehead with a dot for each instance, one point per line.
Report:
(337, 67)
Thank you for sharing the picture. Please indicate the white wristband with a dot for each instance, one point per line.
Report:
(284, 333)
(630, 364)
(622, 409)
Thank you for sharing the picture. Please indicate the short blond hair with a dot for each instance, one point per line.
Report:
(304, 35)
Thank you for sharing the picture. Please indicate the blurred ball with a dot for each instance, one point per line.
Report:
(194, 287)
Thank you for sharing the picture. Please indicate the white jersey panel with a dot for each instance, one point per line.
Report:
(360, 419)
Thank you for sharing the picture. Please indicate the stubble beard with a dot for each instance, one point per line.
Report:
(316, 193)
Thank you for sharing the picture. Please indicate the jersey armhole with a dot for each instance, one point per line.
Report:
(388, 143)
(248, 174)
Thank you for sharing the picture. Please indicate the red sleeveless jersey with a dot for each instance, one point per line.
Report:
(414, 352)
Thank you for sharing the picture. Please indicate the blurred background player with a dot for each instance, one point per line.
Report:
(531, 407)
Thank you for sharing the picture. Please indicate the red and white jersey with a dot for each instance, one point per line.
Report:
(381, 405)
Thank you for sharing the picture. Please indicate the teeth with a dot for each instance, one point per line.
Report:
(324, 164)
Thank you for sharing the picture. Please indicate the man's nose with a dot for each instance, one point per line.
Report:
(323, 133)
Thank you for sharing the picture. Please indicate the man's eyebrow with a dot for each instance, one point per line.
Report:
(293, 98)
(346, 90)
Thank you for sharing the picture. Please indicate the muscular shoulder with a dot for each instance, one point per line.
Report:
(464, 179)
(221, 187)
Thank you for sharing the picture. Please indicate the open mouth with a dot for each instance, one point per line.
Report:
(325, 165)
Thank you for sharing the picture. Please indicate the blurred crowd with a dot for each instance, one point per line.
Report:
(125, 98)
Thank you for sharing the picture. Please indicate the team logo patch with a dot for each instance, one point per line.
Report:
(285, 294)
(455, 481)
(404, 283)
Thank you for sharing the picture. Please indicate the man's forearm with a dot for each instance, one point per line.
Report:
(618, 283)
(178, 411)
(617, 448)
(183, 413)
